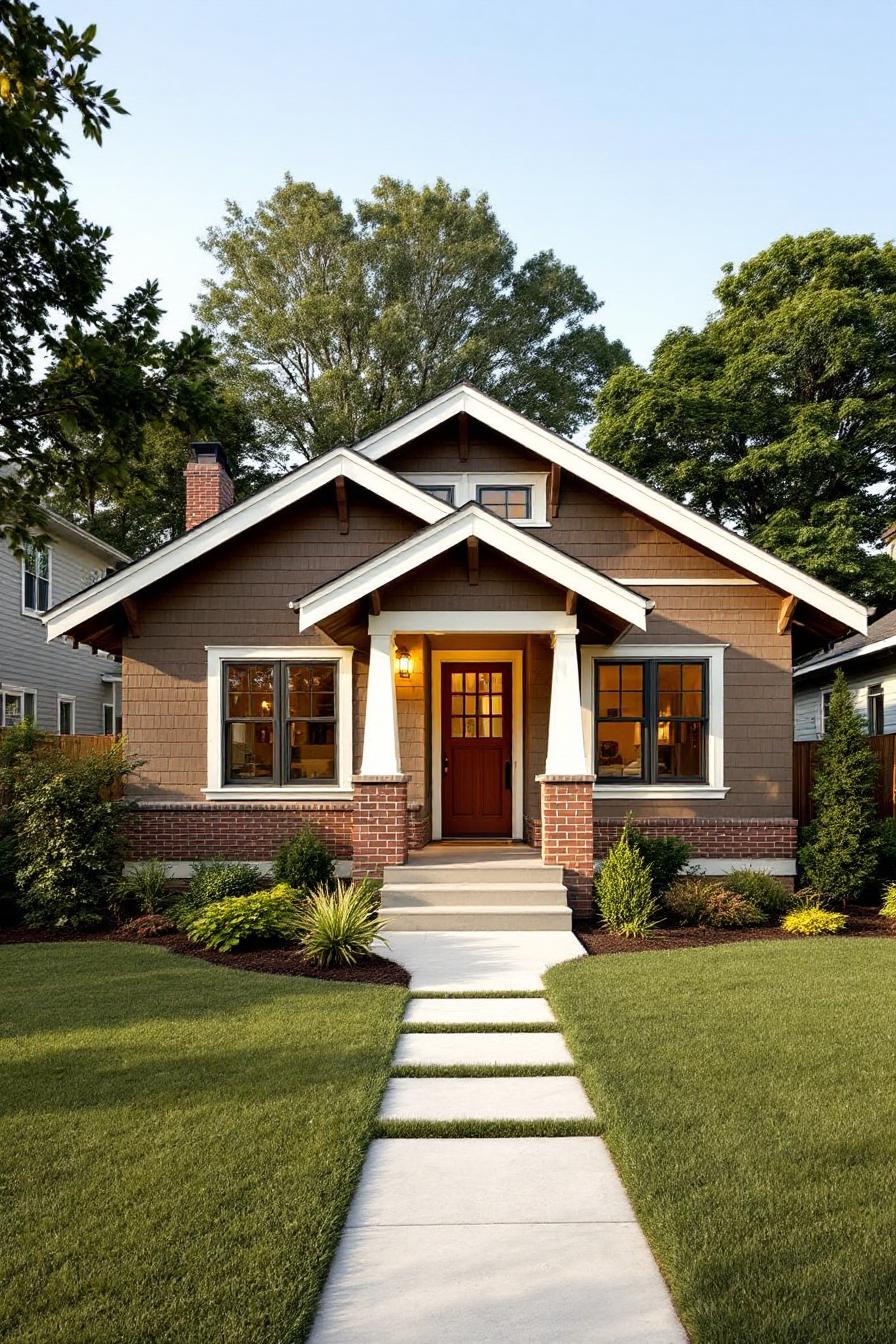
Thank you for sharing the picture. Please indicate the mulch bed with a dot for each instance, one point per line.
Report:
(269, 960)
(865, 921)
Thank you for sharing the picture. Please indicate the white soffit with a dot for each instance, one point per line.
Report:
(727, 545)
(473, 521)
(229, 524)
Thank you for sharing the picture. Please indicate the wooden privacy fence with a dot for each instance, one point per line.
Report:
(79, 745)
(804, 764)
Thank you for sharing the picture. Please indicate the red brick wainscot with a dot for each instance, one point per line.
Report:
(249, 831)
(750, 838)
(419, 826)
(567, 834)
(379, 823)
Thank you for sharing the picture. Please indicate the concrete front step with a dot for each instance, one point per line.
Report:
(474, 918)
(485, 874)
(557, 1097)
(473, 893)
(444, 1048)
(479, 1012)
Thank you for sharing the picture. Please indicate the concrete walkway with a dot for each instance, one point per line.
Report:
(487, 1240)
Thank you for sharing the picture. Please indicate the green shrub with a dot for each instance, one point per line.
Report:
(708, 904)
(809, 920)
(304, 862)
(666, 856)
(758, 886)
(272, 914)
(888, 909)
(144, 890)
(214, 880)
(338, 925)
(886, 854)
(69, 845)
(623, 890)
(840, 853)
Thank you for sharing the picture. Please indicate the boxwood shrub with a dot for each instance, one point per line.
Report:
(272, 914)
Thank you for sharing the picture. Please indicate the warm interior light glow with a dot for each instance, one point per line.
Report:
(405, 662)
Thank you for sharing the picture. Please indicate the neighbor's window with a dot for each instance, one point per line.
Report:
(280, 722)
(35, 578)
(16, 706)
(507, 501)
(66, 717)
(875, 710)
(825, 711)
(650, 721)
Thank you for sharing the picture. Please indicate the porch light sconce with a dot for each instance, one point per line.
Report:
(405, 662)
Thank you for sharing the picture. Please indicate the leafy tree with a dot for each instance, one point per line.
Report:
(334, 323)
(778, 417)
(839, 857)
(69, 373)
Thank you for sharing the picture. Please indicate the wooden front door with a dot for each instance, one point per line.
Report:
(477, 732)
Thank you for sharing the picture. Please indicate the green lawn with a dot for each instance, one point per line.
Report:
(178, 1142)
(749, 1098)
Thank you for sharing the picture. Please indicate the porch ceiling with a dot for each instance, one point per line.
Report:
(612, 603)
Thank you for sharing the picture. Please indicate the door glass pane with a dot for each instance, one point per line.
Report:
(250, 750)
(457, 704)
(457, 681)
(312, 751)
(457, 727)
(619, 750)
(497, 727)
(497, 681)
(470, 682)
(470, 728)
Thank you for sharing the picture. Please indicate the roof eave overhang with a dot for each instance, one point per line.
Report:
(472, 521)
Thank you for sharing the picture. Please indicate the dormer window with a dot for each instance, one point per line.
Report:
(519, 497)
(443, 492)
(35, 579)
(513, 502)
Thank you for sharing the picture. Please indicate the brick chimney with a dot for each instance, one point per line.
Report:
(209, 487)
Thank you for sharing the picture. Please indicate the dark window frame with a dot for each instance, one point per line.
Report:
(650, 776)
(280, 721)
(875, 708)
(33, 579)
(447, 492)
(521, 489)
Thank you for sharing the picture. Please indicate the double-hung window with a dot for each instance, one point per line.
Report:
(280, 722)
(16, 706)
(875, 710)
(35, 579)
(651, 721)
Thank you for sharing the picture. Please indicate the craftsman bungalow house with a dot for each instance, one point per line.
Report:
(463, 626)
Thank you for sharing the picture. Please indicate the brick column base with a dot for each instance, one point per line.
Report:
(567, 835)
(379, 823)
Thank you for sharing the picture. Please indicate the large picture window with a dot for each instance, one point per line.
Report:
(280, 722)
(651, 721)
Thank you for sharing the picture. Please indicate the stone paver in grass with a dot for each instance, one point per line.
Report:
(552, 1098)
(487, 1012)
(482, 1047)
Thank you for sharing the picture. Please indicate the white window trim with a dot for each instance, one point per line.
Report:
(823, 691)
(32, 612)
(515, 658)
(21, 691)
(216, 789)
(60, 701)
(466, 484)
(714, 654)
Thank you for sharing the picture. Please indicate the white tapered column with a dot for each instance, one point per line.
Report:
(566, 742)
(381, 755)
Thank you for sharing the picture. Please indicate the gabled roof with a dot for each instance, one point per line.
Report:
(677, 518)
(881, 637)
(231, 522)
(473, 521)
(64, 527)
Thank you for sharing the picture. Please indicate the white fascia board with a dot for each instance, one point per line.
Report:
(629, 491)
(225, 526)
(473, 521)
(835, 659)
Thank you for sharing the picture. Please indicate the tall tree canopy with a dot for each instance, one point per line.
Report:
(333, 323)
(71, 374)
(778, 418)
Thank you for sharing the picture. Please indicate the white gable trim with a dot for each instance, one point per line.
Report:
(472, 521)
(628, 491)
(200, 540)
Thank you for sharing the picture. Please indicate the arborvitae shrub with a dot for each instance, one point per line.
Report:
(623, 890)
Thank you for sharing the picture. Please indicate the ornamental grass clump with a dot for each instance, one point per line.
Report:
(338, 925)
(840, 855)
(271, 915)
(624, 891)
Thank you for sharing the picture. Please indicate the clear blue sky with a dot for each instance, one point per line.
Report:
(646, 143)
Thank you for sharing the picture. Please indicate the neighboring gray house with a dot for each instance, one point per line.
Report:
(869, 663)
(63, 688)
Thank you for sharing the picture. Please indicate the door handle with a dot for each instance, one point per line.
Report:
(444, 765)
(507, 778)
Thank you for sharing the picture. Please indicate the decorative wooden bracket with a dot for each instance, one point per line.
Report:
(572, 601)
(376, 604)
(554, 490)
(473, 559)
(341, 505)
(785, 615)
(131, 616)
(463, 436)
